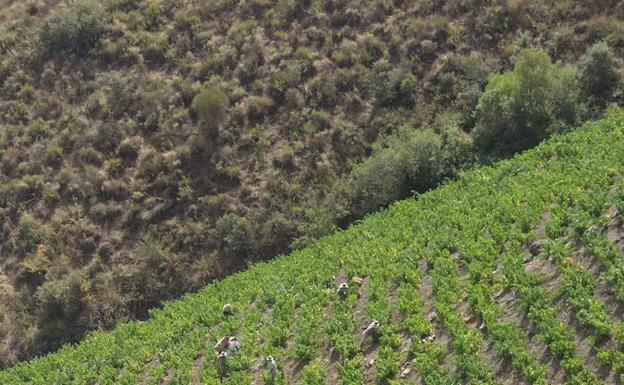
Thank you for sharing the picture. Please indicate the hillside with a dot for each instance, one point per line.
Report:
(511, 275)
(150, 146)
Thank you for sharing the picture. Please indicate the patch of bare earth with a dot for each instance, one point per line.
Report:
(512, 313)
(152, 365)
(615, 232)
(584, 348)
(256, 371)
(259, 364)
(198, 364)
(330, 359)
(551, 279)
(408, 371)
(292, 366)
(584, 335)
(509, 303)
(604, 291)
(168, 377)
(503, 369)
(406, 367)
(546, 269)
(368, 346)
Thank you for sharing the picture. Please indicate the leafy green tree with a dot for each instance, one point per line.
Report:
(234, 235)
(520, 108)
(74, 28)
(598, 76)
(413, 160)
(210, 106)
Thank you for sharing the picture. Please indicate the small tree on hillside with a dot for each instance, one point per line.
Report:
(520, 108)
(598, 76)
(73, 28)
(210, 106)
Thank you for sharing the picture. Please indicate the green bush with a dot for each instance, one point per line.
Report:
(322, 91)
(392, 87)
(520, 108)
(313, 374)
(60, 306)
(63, 298)
(233, 235)
(74, 28)
(210, 106)
(598, 76)
(459, 153)
(413, 160)
(30, 233)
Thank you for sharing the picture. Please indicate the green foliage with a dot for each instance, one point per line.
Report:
(65, 297)
(102, 153)
(73, 28)
(409, 161)
(210, 105)
(520, 108)
(391, 87)
(29, 233)
(313, 375)
(413, 161)
(598, 76)
(234, 235)
(307, 338)
(465, 241)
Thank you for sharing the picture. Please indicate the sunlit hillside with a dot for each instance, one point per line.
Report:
(511, 275)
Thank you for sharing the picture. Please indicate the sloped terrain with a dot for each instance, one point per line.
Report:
(150, 146)
(511, 275)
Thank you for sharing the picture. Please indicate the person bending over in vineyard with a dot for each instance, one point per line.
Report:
(272, 367)
(372, 330)
(428, 339)
(343, 290)
(233, 346)
(222, 345)
(227, 310)
(221, 364)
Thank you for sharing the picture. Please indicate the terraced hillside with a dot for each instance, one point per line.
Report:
(148, 147)
(512, 275)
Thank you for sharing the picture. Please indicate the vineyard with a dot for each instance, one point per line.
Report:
(512, 275)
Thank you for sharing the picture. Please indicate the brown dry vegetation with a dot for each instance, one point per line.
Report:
(119, 189)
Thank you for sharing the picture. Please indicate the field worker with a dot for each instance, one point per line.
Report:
(227, 310)
(272, 367)
(233, 346)
(221, 364)
(343, 290)
(372, 330)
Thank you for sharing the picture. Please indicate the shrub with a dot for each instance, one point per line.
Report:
(371, 49)
(313, 374)
(233, 235)
(322, 91)
(130, 147)
(210, 106)
(458, 145)
(565, 99)
(29, 233)
(598, 76)
(392, 87)
(292, 73)
(62, 298)
(413, 160)
(73, 28)
(520, 108)
(257, 107)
